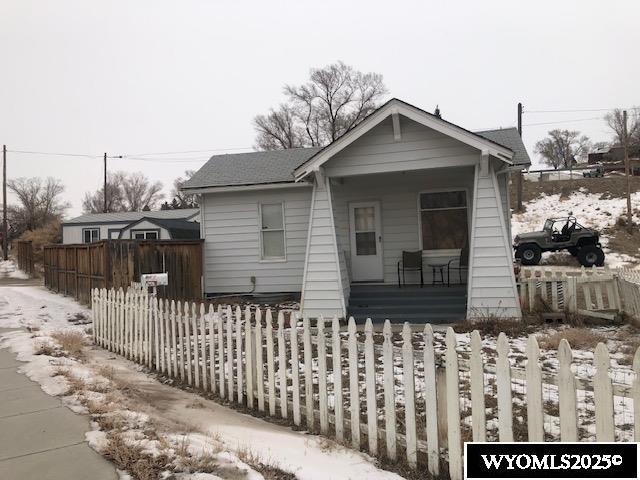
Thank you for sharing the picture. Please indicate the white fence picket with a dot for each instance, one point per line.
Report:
(308, 373)
(408, 367)
(188, 342)
(636, 396)
(478, 414)
(271, 376)
(503, 380)
(196, 345)
(431, 402)
(259, 363)
(221, 351)
(295, 369)
(535, 417)
(322, 378)
(282, 366)
(202, 322)
(239, 356)
(389, 392)
(354, 385)
(603, 395)
(230, 355)
(336, 357)
(567, 394)
(370, 382)
(453, 407)
(248, 336)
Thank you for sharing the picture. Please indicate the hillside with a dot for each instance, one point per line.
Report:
(598, 203)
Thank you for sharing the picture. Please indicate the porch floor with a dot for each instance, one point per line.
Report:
(429, 304)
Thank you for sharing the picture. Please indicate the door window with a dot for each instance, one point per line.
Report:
(365, 230)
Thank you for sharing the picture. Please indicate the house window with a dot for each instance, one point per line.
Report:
(145, 235)
(272, 231)
(443, 220)
(90, 235)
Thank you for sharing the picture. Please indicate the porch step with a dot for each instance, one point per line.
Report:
(433, 304)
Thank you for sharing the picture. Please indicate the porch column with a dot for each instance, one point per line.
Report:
(322, 290)
(492, 289)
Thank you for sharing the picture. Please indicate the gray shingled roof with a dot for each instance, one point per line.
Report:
(127, 217)
(510, 138)
(250, 168)
(178, 228)
(277, 166)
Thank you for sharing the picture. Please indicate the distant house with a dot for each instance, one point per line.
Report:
(331, 224)
(161, 225)
(613, 155)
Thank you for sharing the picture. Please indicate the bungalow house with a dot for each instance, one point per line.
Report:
(161, 225)
(332, 223)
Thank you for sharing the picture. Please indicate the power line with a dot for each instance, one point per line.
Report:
(562, 121)
(57, 154)
(578, 110)
(189, 151)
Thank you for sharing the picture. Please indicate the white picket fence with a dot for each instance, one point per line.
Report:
(581, 290)
(373, 392)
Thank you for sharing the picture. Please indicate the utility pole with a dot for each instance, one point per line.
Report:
(627, 171)
(105, 183)
(5, 229)
(519, 178)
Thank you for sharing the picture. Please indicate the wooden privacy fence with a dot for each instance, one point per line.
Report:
(584, 291)
(77, 269)
(25, 257)
(414, 397)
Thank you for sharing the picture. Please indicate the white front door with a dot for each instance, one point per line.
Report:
(366, 241)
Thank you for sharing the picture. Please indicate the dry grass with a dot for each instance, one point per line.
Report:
(493, 326)
(45, 347)
(106, 371)
(580, 338)
(268, 468)
(610, 186)
(71, 342)
(133, 459)
(196, 403)
(621, 241)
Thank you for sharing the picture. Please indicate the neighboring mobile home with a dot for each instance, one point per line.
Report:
(161, 225)
(332, 223)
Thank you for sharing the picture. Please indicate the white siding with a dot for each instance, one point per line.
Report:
(503, 185)
(492, 288)
(419, 147)
(398, 195)
(231, 229)
(73, 233)
(322, 293)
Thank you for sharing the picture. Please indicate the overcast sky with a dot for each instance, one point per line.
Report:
(146, 76)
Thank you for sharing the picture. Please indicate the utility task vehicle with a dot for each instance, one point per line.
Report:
(598, 171)
(563, 233)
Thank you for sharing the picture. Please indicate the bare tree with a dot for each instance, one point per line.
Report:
(39, 203)
(126, 192)
(138, 192)
(182, 199)
(334, 100)
(94, 202)
(615, 121)
(562, 148)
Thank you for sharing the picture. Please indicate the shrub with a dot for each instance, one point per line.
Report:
(579, 338)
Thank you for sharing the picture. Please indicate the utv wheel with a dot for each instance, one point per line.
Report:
(590, 255)
(529, 254)
(573, 251)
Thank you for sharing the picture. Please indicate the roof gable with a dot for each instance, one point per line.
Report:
(398, 107)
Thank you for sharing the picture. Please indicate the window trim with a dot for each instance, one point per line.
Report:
(133, 231)
(444, 252)
(89, 229)
(264, 259)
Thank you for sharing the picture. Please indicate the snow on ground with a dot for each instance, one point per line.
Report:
(591, 210)
(8, 269)
(160, 419)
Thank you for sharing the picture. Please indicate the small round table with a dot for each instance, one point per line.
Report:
(439, 267)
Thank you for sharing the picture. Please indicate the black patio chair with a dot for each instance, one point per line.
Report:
(460, 264)
(411, 261)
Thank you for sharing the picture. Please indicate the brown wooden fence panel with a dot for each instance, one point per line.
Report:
(76, 269)
(25, 257)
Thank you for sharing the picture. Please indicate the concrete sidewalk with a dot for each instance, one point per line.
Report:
(40, 439)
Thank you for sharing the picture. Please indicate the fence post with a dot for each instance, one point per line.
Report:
(230, 380)
(354, 386)
(478, 415)
(431, 402)
(250, 361)
(271, 377)
(239, 356)
(295, 368)
(503, 380)
(535, 418)
(408, 366)
(308, 373)
(322, 378)
(259, 363)
(282, 365)
(389, 391)
(567, 394)
(370, 376)
(453, 407)
(603, 396)
(336, 357)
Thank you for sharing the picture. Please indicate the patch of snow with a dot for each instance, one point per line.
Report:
(9, 269)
